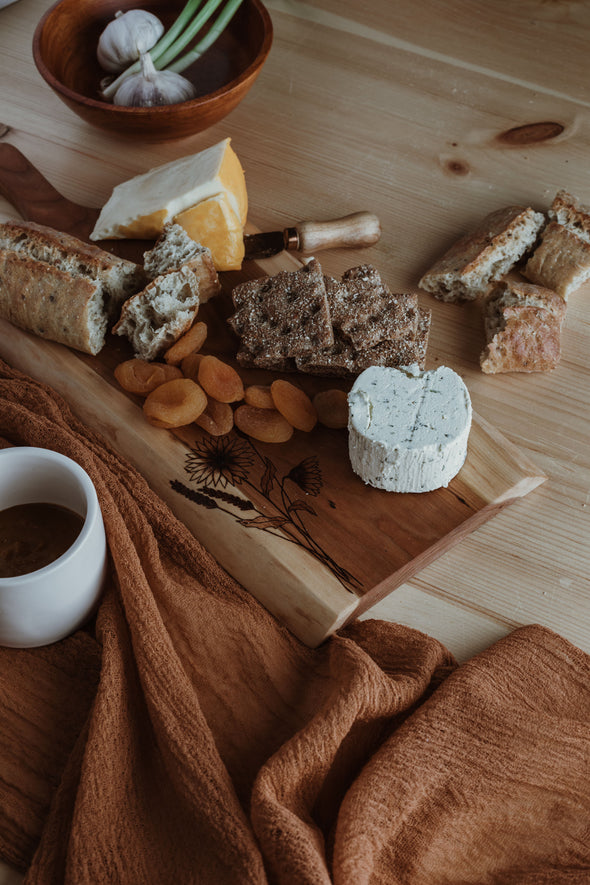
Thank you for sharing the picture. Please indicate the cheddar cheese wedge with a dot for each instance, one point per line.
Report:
(140, 207)
(215, 224)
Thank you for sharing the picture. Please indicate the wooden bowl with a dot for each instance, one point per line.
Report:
(64, 50)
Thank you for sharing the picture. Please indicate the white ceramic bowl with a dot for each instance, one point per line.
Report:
(46, 605)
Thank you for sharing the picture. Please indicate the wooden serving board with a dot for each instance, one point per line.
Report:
(291, 522)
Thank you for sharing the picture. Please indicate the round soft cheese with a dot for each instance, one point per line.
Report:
(408, 429)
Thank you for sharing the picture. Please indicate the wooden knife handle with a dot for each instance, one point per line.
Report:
(356, 230)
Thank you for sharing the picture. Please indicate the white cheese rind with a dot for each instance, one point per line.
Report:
(163, 192)
(408, 429)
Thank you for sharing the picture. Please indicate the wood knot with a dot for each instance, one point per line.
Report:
(457, 167)
(531, 133)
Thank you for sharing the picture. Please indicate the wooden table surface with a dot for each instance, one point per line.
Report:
(430, 114)
(414, 110)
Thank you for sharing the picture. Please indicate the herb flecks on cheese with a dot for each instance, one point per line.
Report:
(408, 429)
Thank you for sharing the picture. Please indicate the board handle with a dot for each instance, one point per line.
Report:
(35, 199)
(352, 231)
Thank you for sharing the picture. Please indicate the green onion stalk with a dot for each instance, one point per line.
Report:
(179, 35)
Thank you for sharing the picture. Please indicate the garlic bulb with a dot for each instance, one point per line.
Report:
(152, 87)
(126, 38)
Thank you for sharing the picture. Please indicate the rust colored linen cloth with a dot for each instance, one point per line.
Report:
(187, 737)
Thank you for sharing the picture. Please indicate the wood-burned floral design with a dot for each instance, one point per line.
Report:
(217, 463)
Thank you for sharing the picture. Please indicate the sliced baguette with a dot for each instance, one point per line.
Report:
(117, 278)
(51, 303)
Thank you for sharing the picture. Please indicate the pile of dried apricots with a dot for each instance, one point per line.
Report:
(191, 387)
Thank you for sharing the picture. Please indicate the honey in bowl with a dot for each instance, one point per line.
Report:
(35, 535)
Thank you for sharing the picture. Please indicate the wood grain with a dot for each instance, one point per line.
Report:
(403, 109)
(292, 522)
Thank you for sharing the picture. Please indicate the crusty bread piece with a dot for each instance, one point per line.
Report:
(156, 317)
(567, 210)
(51, 303)
(175, 249)
(561, 261)
(522, 327)
(483, 255)
(117, 278)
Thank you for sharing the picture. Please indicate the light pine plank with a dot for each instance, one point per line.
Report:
(464, 631)
(468, 33)
(405, 121)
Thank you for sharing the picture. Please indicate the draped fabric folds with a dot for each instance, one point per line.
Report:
(187, 737)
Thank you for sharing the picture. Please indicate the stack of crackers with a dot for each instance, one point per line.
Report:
(307, 321)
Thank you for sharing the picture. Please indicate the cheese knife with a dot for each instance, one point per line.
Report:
(353, 231)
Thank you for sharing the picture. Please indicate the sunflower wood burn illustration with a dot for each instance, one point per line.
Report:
(216, 465)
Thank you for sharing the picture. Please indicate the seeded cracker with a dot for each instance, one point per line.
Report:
(366, 311)
(401, 330)
(261, 361)
(402, 352)
(336, 361)
(282, 316)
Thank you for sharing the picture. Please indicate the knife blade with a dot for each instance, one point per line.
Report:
(352, 231)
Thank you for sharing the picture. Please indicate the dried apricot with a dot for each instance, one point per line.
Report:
(217, 419)
(260, 396)
(175, 403)
(141, 377)
(294, 404)
(190, 366)
(190, 342)
(332, 408)
(220, 380)
(266, 425)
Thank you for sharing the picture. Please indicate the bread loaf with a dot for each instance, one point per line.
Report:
(51, 303)
(116, 278)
